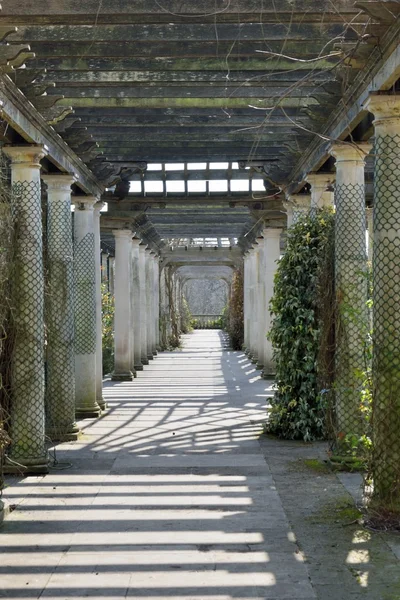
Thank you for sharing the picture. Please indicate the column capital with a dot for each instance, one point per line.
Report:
(122, 234)
(136, 242)
(302, 201)
(25, 155)
(345, 152)
(142, 247)
(97, 207)
(59, 182)
(320, 180)
(272, 232)
(85, 202)
(386, 109)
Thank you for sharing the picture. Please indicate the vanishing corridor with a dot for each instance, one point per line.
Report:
(166, 496)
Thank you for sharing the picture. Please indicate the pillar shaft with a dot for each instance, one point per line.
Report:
(60, 388)
(370, 229)
(386, 313)
(136, 308)
(246, 316)
(261, 303)
(122, 315)
(27, 365)
(99, 324)
(321, 195)
(149, 303)
(272, 252)
(85, 308)
(351, 287)
(157, 301)
(143, 303)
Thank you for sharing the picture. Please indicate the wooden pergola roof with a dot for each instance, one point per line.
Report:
(131, 82)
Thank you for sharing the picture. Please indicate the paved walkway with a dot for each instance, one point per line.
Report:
(166, 496)
(172, 495)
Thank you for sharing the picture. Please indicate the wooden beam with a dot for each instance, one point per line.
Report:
(193, 102)
(29, 123)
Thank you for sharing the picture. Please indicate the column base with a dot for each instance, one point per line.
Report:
(90, 412)
(39, 466)
(259, 366)
(155, 352)
(122, 376)
(150, 357)
(268, 375)
(145, 361)
(64, 436)
(254, 360)
(139, 367)
(102, 404)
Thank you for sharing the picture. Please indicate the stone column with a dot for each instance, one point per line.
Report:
(149, 302)
(85, 308)
(370, 229)
(157, 301)
(143, 303)
(386, 294)
(321, 196)
(351, 286)
(136, 308)
(99, 325)
(253, 303)
(246, 287)
(27, 364)
(261, 304)
(60, 384)
(272, 252)
(122, 315)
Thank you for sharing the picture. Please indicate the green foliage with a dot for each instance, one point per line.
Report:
(217, 323)
(298, 409)
(235, 315)
(107, 305)
(186, 317)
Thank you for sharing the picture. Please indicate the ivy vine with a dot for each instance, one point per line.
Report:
(300, 327)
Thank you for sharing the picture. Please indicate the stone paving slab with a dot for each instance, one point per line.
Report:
(173, 494)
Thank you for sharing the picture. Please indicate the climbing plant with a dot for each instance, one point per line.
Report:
(301, 332)
(235, 317)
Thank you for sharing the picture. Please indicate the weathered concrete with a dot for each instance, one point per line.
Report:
(173, 494)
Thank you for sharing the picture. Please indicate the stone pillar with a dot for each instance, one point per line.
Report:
(157, 301)
(143, 303)
(351, 286)
(370, 229)
(386, 294)
(27, 364)
(122, 315)
(272, 252)
(60, 384)
(246, 289)
(253, 303)
(85, 308)
(99, 325)
(149, 303)
(321, 196)
(136, 308)
(153, 304)
(261, 305)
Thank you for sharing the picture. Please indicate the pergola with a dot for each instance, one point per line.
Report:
(189, 135)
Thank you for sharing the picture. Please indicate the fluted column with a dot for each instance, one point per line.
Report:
(85, 308)
(122, 313)
(136, 308)
(321, 195)
(386, 294)
(27, 365)
(99, 325)
(143, 303)
(60, 385)
(350, 285)
(149, 304)
(272, 252)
